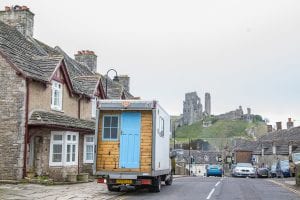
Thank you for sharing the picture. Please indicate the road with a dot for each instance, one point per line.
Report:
(212, 188)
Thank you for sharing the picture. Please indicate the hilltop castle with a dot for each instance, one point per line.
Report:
(193, 109)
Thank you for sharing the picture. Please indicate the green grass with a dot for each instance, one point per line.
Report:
(220, 129)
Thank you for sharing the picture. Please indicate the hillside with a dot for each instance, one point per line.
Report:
(220, 129)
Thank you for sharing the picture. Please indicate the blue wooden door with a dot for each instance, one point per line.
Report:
(130, 140)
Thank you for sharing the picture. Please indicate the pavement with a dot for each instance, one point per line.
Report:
(91, 190)
(183, 188)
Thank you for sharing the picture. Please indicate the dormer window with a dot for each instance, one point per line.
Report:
(56, 99)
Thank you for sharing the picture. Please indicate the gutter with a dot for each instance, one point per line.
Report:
(78, 163)
(26, 129)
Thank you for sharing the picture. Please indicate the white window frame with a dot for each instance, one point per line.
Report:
(56, 86)
(161, 127)
(71, 143)
(94, 107)
(51, 163)
(64, 143)
(84, 150)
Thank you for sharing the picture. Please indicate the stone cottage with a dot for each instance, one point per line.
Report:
(47, 102)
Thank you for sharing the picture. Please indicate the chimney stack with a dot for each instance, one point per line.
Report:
(19, 17)
(269, 128)
(279, 126)
(125, 81)
(88, 58)
(290, 123)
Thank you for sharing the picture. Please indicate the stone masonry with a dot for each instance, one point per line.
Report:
(207, 104)
(19, 17)
(12, 122)
(192, 108)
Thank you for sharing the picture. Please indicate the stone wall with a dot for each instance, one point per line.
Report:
(12, 122)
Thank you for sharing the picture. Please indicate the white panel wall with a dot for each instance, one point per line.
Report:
(162, 161)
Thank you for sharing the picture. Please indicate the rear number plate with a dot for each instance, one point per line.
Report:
(124, 181)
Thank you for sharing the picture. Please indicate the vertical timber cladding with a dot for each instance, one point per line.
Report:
(108, 151)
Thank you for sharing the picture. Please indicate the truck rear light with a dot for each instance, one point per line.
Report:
(146, 181)
(101, 180)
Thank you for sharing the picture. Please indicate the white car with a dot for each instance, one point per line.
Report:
(244, 170)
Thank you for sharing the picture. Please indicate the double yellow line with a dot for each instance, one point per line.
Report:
(286, 187)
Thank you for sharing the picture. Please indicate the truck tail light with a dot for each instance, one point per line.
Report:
(146, 181)
(101, 180)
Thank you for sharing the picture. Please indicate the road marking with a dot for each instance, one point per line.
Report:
(211, 192)
(284, 186)
(218, 183)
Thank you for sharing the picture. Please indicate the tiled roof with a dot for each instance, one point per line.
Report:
(26, 54)
(115, 90)
(54, 119)
(38, 61)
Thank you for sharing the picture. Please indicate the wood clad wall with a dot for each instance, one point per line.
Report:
(108, 151)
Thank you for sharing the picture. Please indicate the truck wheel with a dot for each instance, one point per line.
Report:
(156, 187)
(169, 181)
(111, 188)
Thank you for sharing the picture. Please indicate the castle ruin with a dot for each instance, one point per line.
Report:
(192, 108)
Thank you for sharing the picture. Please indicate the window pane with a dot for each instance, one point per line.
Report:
(69, 137)
(106, 133)
(114, 133)
(74, 137)
(57, 137)
(57, 148)
(57, 153)
(68, 153)
(56, 158)
(114, 122)
(107, 121)
(73, 153)
(90, 139)
(89, 156)
(89, 148)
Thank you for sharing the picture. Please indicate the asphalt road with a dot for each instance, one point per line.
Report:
(217, 188)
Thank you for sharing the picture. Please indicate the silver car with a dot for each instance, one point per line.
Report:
(244, 170)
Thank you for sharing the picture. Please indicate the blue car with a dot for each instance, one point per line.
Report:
(214, 170)
(283, 169)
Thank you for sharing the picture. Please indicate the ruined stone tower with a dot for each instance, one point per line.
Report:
(192, 108)
(207, 104)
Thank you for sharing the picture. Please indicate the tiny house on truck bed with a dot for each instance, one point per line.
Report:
(132, 144)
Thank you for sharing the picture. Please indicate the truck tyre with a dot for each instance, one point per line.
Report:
(169, 181)
(111, 188)
(156, 187)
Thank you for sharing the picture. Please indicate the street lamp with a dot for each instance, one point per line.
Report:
(115, 79)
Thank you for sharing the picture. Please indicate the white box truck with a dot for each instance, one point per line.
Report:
(132, 144)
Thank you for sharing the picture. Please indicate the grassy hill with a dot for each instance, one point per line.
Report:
(220, 129)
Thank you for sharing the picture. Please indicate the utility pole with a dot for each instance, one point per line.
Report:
(189, 156)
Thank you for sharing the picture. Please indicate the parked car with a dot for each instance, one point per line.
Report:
(283, 169)
(244, 170)
(273, 170)
(214, 170)
(263, 172)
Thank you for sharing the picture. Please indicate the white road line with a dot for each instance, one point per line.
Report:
(218, 183)
(211, 192)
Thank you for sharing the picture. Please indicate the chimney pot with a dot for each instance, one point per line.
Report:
(87, 57)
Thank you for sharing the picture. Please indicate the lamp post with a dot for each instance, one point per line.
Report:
(115, 79)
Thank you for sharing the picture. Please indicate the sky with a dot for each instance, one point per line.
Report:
(242, 52)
